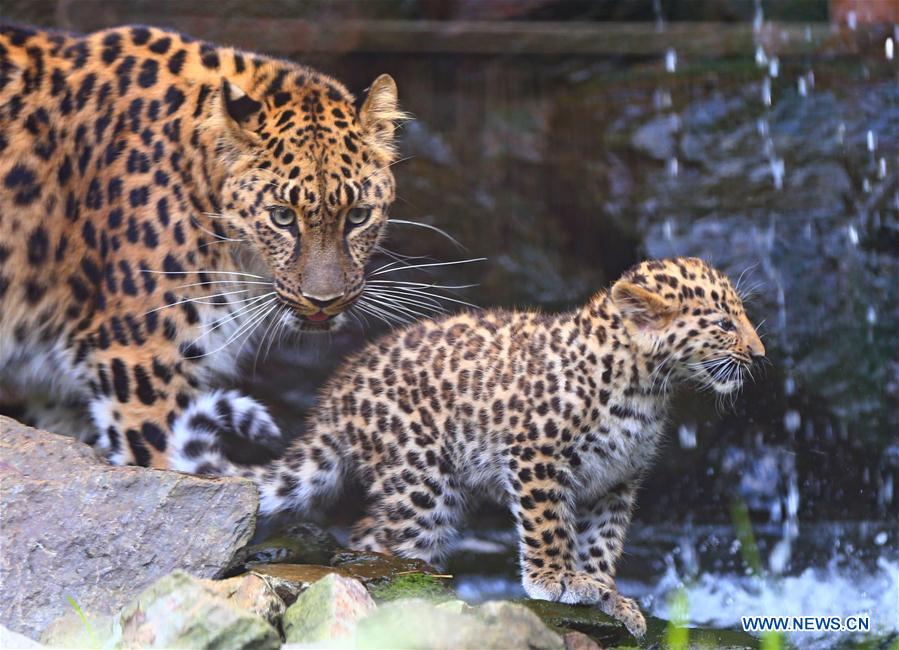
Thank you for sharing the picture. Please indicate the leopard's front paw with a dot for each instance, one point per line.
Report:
(625, 610)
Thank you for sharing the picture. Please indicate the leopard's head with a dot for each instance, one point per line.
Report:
(689, 322)
(308, 184)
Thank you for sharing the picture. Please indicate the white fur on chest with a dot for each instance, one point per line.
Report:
(623, 454)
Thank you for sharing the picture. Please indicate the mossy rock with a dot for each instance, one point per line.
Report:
(411, 585)
(609, 632)
(600, 627)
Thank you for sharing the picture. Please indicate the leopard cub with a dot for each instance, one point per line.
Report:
(557, 416)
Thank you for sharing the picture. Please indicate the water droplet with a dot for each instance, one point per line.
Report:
(866, 185)
(841, 133)
(888, 48)
(661, 98)
(881, 538)
(871, 140)
(780, 556)
(792, 420)
(882, 168)
(673, 167)
(871, 315)
(885, 495)
(789, 385)
(762, 126)
(671, 60)
(851, 19)
(761, 59)
(766, 91)
(852, 233)
(668, 229)
(660, 18)
(686, 435)
(759, 18)
(774, 67)
(802, 86)
(777, 171)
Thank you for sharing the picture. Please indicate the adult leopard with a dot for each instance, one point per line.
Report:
(161, 198)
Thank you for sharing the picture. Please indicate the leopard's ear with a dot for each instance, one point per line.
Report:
(238, 107)
(379, 116)
(643, 307)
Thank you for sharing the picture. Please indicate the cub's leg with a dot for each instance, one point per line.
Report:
(601, 528)
(412, 512)
(546, 518)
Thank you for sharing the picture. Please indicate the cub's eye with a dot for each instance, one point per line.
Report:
(358, 216)
(726, 324)
(282, 216)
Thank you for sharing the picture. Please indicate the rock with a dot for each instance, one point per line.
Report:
(422, 625)
(252, 593)
(75, 527)
(376, 568)
(579, 641)
(78, 630)
(656, 137)
(299, 543)
(329, 609)
(455, 607)
(387, 578)
(603, 629)
(410, 585)
(10, 640)
(290, 580)
(521, 627)
(181, 611)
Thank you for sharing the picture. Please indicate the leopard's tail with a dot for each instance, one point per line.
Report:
(220, 427)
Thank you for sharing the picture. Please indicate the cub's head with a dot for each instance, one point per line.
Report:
(689, 321)
(308, 182)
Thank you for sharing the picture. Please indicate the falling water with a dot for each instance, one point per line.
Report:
(671, 60)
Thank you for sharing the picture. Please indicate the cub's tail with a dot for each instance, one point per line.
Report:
(223, 433)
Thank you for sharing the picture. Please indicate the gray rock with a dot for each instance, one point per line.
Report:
(75, 527)
(656, 137)
(10, 640)
(329, 609)
(181, 611)
(420, 625)
(252, 593)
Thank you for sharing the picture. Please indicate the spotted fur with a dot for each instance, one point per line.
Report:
(556, 416)
(161, 198)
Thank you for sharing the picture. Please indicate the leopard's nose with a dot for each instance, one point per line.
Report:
(322, 301)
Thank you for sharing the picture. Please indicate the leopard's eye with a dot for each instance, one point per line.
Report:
(358, 216)
(282, 216)
(726, 324)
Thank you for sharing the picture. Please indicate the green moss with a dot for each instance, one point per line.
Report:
(411, 585)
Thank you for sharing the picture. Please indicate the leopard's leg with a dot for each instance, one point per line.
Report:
(543, 505)
(601, 528)
(411, 511)
(149, 409)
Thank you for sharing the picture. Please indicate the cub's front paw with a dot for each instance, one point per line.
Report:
(566, 587)
(625, 610)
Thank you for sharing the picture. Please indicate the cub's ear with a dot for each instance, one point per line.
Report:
(379, 114)
(237, 105)
(642, 306)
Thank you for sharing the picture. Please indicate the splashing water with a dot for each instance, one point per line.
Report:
(718, 599)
